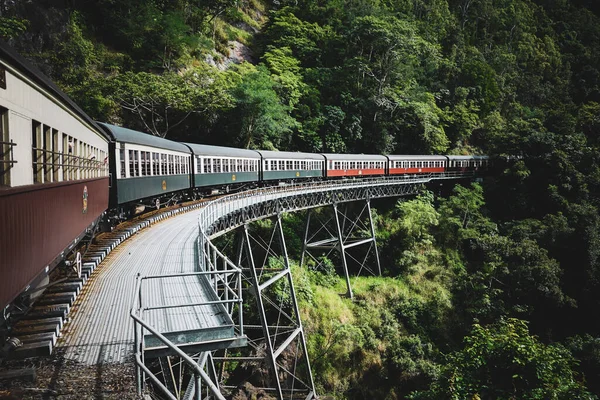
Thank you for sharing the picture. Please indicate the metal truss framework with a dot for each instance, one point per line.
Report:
(278, 341)
(350, 231)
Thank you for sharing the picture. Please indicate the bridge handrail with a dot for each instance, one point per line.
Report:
(137, 310)
(209, 214)
(199, 373)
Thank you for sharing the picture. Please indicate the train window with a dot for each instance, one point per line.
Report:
(169, 168)
(87, 161)
(143, 159)
(121, 162)
(132, 163)
(6, 149)
(66, 161)
(36, 141)
(146, 164)
(198, 165)
(137, 167)
(55, 156)
(217, 165)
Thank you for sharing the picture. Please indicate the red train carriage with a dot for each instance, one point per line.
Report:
(347, 165)
(53, 175)
(399, 165)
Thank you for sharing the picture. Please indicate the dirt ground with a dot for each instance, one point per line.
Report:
(58, 378)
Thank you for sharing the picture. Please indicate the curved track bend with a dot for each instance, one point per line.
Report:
(100, 329)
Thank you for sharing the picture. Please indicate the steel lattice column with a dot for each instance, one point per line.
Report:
(281, 345)
(344, 237)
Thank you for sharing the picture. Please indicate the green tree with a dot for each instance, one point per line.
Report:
(285, 70)
(11, 28)
(261, 119)
(418, 216)
(158, 103)
(503, 361)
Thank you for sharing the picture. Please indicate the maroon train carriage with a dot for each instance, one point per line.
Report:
(349, 165)
(415, 164)
(53, 175)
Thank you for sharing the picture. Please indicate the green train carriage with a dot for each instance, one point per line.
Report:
(217, 167)
(288, 166)
(146, 168)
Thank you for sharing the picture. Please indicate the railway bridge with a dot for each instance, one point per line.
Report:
(196, 312)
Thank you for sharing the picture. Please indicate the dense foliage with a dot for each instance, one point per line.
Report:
(491, 291)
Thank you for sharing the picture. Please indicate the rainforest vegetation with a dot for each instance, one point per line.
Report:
(489, 290)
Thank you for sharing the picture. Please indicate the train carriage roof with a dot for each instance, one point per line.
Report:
(15, 60)
(394, 157)
(355, 157)
(279, 155)
(221, 151)
(125, 135)
(468, 157)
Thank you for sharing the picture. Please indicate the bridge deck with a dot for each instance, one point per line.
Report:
(100, 329)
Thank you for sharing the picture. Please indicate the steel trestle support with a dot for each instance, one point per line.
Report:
(280, 343)
(349, 233)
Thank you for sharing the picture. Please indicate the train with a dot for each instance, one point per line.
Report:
(63, 174)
